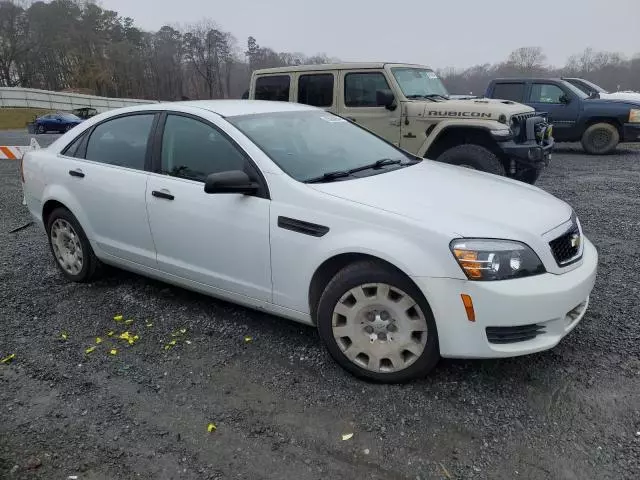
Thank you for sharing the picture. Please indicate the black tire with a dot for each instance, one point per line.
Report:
(91, 266)
(40, 129)
(529, 175)
(369, 272)
(600, 139)
(473, 156)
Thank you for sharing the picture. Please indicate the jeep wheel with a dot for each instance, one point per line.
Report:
(529, 175)
(600, 139)
(473, 156)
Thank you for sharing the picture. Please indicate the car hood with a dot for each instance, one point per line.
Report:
(457, 200)
(631, 96)
(608, 101)
(484, 108)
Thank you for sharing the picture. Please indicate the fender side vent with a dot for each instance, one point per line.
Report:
(303, 227)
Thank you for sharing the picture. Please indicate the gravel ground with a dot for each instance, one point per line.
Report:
(20, 137)
(280, 404)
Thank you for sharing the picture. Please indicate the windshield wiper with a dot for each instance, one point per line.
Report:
(383, 162)
(429, 96)
(329, 176)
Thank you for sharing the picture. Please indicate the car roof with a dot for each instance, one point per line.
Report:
(528, 79)
(224, 108)
(335, 66)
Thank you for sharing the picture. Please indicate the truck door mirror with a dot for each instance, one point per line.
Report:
(564, 99)
(385, 98)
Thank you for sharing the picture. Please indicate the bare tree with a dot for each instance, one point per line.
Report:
(527, 59)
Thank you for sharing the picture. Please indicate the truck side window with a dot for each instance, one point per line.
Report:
(360, 88)
(274, 87)
(316, 90)
(509, 91)
(545, 93)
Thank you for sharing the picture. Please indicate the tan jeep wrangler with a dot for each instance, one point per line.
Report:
(409, 106)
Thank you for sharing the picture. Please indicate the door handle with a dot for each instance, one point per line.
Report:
(162, 194)
(76, 173)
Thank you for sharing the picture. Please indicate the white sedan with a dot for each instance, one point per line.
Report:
(292, 210)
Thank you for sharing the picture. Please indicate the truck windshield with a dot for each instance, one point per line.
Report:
(311, 144)
(419, 82)
(575, 90)
(586, 86)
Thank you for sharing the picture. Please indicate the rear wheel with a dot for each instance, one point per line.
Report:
(600, 139)
(70, 247)
(473, 156)
(377, 324)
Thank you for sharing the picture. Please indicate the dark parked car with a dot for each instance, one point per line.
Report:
(85, 112)
(600, 124)
(56, 122)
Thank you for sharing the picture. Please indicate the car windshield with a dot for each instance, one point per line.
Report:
(575, 90)
(419, 82)
(310, 144)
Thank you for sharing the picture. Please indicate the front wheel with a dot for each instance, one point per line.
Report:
(40, 129)
(528, 175)
(600, 139)
(377, 324)
(473, 156)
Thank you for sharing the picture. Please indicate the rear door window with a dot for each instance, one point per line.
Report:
(273, 87)
(509, 91)
(121, 141)
(316, 89)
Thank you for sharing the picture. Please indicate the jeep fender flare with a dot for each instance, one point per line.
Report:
(447, 125)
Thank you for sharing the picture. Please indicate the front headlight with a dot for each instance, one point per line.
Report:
(634, 115)
(487, 259)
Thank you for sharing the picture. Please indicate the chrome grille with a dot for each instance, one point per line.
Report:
(567, 247)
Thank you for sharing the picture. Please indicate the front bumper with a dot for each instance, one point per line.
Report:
(529, 153)
(553, 304)
(631, 132)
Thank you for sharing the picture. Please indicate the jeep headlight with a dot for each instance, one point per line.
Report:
(488, 259)
(515, 126)
(634, 115)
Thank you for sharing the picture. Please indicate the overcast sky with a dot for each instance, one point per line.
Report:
(439, 33)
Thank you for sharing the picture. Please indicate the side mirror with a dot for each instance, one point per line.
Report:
(565, 99)
(385, 98)
(234, 181)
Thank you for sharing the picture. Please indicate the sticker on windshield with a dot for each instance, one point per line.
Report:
(333, 119)
(432, 75)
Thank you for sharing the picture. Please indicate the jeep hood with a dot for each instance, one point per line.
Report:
(456, 200)
(419, 108)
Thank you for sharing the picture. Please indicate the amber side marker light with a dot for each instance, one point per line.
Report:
(468, 306)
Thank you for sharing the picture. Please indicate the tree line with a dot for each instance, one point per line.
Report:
(77, 45)
(612, 71)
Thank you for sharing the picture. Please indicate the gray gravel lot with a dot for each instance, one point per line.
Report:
(280, 404)
(21, 137)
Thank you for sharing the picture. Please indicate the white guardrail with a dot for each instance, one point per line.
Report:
(32, 98)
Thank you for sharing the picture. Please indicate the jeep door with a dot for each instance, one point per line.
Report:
(562, 106)
(318, 89)
(358, 103)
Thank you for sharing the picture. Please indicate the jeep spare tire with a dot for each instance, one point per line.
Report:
(600, 138)
(473, 156)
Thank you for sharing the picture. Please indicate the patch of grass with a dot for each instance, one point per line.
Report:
(16, 118)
